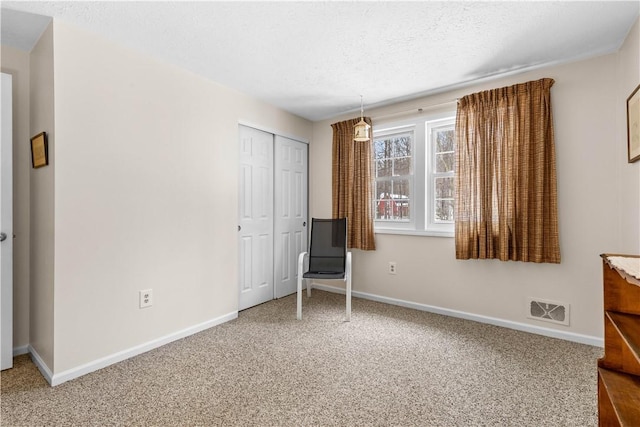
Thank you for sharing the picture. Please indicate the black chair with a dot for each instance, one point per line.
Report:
(328, 258)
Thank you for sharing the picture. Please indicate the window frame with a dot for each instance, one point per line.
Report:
(431, 174)
(389, 131)
(422, 222)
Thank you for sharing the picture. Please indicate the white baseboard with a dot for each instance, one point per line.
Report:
(79, 371)
(539, 330)
(42, 367)
(23, 349)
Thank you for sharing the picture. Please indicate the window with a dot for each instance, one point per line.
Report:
(441, 140)
(393, 157)
(414, 175)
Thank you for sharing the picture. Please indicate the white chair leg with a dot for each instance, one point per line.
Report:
(349, 299)
(300, 279)
(348, 277)
(309, 283)
(299, 301)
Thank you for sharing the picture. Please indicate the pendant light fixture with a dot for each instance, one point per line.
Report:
(362, 128)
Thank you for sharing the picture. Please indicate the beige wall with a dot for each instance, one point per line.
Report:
(42, 193)
(141, 193)
(16, 63)
(593, 210)
(628, 80)
(145, 196)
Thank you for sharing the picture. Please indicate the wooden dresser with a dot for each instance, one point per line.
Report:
(619, 369)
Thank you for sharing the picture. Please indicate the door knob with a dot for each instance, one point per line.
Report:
(239, 228)
(3, 237)
(304, 224)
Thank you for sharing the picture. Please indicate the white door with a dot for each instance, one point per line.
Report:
(256, 217)
(6, 226)
(290, 212)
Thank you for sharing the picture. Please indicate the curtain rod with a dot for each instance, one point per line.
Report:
(416, 110)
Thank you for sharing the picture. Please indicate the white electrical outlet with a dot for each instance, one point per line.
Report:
(146, 298)
(392, 267)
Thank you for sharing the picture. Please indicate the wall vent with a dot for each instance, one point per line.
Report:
(549, 311)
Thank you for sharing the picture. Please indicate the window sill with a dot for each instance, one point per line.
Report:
(423, 233)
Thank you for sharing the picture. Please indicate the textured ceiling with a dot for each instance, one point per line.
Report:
(315, 58)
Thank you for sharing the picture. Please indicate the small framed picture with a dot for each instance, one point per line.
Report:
(39, 150)
(633, 125)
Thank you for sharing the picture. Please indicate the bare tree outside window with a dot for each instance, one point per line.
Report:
(444, 158)
(393, 159)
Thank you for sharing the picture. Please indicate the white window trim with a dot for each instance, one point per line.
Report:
(428, 233)
(420, 224)
(431, 174)
(402, 225)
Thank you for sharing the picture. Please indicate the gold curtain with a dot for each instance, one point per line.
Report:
(352, 184)
(506, 197)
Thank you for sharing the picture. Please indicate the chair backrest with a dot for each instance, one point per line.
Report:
(328, 247)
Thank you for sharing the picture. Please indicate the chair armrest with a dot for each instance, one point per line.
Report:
(301, 262)
(348, 266)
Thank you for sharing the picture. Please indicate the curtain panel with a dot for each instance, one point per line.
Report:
(352, 184)
(506, 197)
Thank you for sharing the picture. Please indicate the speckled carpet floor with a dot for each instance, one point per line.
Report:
(389, 366)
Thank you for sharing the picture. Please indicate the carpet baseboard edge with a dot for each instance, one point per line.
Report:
(57, 379)
(524, 327)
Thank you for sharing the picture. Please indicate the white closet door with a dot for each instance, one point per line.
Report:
(256, 217)
(6, 226)
(290, 211)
